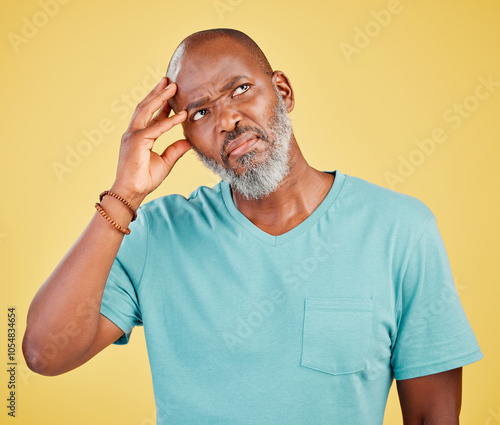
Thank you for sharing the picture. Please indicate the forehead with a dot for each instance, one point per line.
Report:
(204, 69)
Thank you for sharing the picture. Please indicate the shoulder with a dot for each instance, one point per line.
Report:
(383, 204)
(203, 202)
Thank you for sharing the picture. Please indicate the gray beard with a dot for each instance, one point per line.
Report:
(260, 179)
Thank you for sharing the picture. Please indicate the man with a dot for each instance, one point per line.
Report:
(283, 295)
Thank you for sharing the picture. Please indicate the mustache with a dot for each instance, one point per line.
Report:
(238, 131)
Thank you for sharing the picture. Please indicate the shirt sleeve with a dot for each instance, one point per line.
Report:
(120, 301)
(434, 334)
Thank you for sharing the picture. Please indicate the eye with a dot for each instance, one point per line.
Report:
(199, 114)
(241, 89)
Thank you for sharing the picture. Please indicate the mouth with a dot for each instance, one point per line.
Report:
(241, 144)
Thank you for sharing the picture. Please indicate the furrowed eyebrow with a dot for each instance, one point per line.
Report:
(197, 103)
(227, 86)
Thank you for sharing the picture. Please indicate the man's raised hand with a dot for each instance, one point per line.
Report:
(140, 170)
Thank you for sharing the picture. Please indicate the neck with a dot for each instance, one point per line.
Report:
(296, 197)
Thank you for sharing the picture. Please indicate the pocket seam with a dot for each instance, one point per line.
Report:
(340, 305)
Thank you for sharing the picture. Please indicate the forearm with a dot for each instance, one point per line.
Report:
(434, 399)
(441, 421)
(437, 419)
(67, 306)
(64, 314)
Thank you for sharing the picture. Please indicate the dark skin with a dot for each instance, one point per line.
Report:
(433, 399)
(82, 274)
(232, 93)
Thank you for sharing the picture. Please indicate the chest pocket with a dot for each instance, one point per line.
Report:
(337, 334)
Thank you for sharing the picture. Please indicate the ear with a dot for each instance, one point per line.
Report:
(281, 81)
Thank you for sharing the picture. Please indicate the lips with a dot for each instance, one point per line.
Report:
(239, 141)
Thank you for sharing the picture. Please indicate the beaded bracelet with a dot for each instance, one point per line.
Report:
(114, 195)
(122, 229)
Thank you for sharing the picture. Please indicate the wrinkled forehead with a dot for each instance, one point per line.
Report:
(205, 70)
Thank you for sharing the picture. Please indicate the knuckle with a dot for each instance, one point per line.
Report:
(125, 137)
(128, 137)
(155, 125)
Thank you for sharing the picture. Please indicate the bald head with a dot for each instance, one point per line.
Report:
(199, 38)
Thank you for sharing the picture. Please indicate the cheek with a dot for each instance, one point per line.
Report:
(203, 140)
(195, 134)
(262, 110)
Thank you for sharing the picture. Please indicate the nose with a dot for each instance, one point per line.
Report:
(227, 119)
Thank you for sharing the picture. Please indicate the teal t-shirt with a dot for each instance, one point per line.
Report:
(308, 327)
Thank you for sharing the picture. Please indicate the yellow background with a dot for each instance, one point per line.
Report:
(360, 114)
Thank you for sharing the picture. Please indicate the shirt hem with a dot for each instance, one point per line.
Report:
(126, 328)
(415, 372)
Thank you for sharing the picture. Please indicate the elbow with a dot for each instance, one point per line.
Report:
(39, 358)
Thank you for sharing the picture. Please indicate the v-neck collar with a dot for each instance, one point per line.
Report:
(297, 230)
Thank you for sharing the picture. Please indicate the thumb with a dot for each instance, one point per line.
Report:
(174, 151)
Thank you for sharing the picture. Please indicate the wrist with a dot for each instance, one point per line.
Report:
(134, 198)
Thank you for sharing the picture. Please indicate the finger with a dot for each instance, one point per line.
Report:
(158, 88)
(144, 111)
(163, 113)
(174, 151)
(156, 130)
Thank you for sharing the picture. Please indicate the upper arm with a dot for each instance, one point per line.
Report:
(107, 333)
(431, 399)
